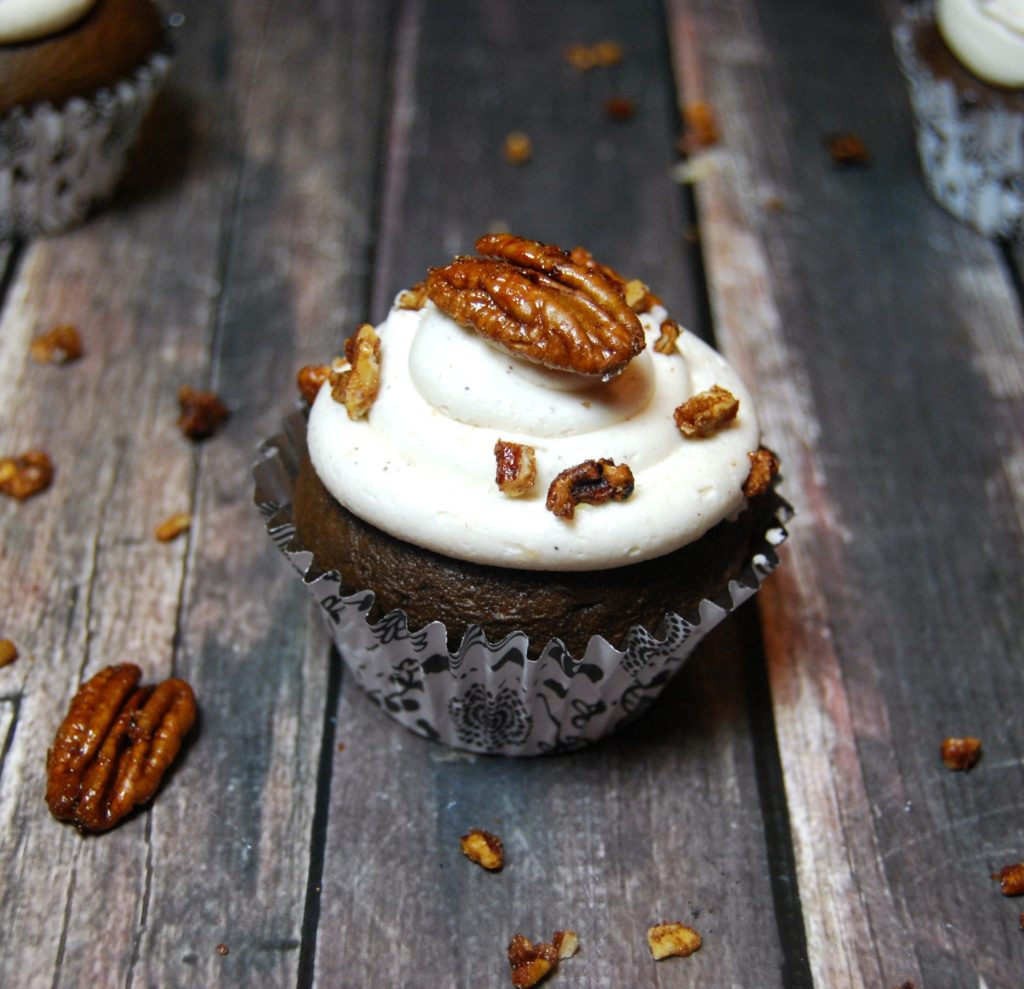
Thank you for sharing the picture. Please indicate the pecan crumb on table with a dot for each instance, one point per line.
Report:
(173, 526)
(61, 345)
(202, 413)
(532, 962)
(483, 848)
(672, 940)
(960, 754)
(619, 108)
(847, 149)
(8, 652)
(518, 148)
(1010, 879)
(26, 474)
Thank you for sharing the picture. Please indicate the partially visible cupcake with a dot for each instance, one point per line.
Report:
(76, 80)
(527, 495)
(964, 61)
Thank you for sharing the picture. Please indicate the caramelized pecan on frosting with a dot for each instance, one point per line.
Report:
(534, 301)
(515, 468)
(593, 482)
(356, 387)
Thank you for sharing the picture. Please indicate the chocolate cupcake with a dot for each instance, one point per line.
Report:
(964, 63)
(76, 79)
(520, 527)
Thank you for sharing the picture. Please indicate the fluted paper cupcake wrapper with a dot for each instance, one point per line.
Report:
(491, 697)
(57, 164)
(972, 157)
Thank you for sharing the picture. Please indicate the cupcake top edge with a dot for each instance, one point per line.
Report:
(504, 446)
(29, 20)
(987, 36)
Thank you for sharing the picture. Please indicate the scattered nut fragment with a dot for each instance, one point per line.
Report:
(701, 127)
(592, 482)
(515, 468)
(672, 941)
(518, 148)
(764, 465)
(774, 204)
(585, 57)
(483, 848)
(566, 944)
(113, 747)
(413, 297)
(222, 949)
(25, 475)
(8, 652)
(310, 379)
(1010, 879)
(202, 413)
(356, 387)
(607, 53)
(960, 754)
(706, 412)
(61, 345)
(173, 526)
(666, 343)
(530, 962)
(847, 149)
(619, 108)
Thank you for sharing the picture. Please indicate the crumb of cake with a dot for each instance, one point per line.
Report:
(672, 941)
(222, 949)
(592, 482)
(666, 342)
(8, 652)
(25, 474)
(619, 108)
(202, 413)
(173, 526)
(764, 465)
(518, 148)
(483, 848)
(847, 149)
(114, 746)
(1010, 879)
(413, 297)
(701, 127)
(706, 412)
(61, 345)
(566, 944)
(960, 754)
(515, 468)
(356, 387)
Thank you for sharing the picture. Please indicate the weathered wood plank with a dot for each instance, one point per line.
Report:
(880, 335)
(664, 821)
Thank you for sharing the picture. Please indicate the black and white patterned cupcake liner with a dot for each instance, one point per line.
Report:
(972, 156)
(491, 697)
(58, 164)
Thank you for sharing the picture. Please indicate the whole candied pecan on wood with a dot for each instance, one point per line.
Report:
(114, 746)
(535, 302)
(593, 482)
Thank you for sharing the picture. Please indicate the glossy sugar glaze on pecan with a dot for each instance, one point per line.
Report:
(356, 387)
(591, 482)
(515, 468)
(114, 746)
(535, 302)
(764, 465)
(706, 412)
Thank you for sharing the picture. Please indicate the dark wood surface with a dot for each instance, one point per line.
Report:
(785, 795)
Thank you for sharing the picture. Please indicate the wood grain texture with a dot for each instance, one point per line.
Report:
(885, 342)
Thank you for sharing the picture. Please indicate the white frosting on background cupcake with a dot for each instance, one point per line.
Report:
(421, 465)
(27, 20)
(987, 36)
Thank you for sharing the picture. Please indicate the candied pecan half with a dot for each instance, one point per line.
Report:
(25, 475)
(593, 482)
(515, 468)
(706, 412)
(8, 652)
(202, 413)
(413, 297)
(672, 941)
(530, 962)
(847, 149)
(1010, 879)
(61, 345)
(114, 746)
(764, 465)
(535, 302)
(173, 526)
(638, 296)
(960, 754)
(356, 387)
(483, 848)
(666, 342)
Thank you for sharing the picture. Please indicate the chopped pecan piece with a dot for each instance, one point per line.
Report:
(25, 475)
(483, 848)
(516, 468)
(666, 343)
(672, 941)
(607, 53)
(61, 345)
(530, 962)
(414, 297)
(566, 944)
(356, 387)
(222, 949)
(1010, 879)
(847, 149)
(580, 57)
(960, 754)
(113, 747)
(592, 482)
(706, 412)
(8, 652)
(619, 108)
(585, 57)
(535, 302)
(310, 379)
(518, 148)
(202, 413)
(173, 526)
(701, 130)
(764, 465)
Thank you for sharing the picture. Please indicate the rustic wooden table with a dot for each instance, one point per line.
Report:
(785, 796)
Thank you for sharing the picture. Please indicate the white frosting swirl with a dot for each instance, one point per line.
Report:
(987, 36)
(421, 465)
(26, 20)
